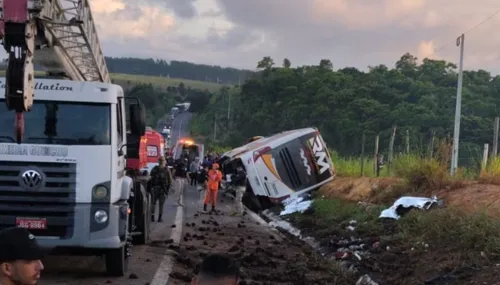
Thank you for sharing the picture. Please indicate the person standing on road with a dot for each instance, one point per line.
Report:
(161, 180)
(181, 174)
(202, 183)
(217, 269)
(214, 178)
(193, 170)
(239, 181)
(20, 257)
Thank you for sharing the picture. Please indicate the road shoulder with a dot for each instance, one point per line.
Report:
(265, 255)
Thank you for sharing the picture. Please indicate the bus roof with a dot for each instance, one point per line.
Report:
(255, 145)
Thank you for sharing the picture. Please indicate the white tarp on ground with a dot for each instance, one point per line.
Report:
(295, 204)
(408, 202)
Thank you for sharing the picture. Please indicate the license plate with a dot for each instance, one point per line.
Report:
(32, 223)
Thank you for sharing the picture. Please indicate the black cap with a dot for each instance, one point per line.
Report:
(18, 244)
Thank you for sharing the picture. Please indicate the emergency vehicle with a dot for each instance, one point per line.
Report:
(155, 146)
(194, 150)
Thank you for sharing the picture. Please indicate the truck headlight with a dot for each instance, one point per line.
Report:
(100, 192)
(101, 216)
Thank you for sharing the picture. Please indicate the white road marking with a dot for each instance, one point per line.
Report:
(162, 274)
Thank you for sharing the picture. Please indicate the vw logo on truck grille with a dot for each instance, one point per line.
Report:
(31, 179)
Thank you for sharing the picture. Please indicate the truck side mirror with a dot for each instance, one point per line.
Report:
(137, 119)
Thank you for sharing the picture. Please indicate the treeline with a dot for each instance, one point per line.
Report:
(418, 98)
(178, 69)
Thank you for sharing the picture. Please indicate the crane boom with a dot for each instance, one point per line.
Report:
(63, 35)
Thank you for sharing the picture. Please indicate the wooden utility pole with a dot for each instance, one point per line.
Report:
(390, 156)
(363, 139)
(494, 151)
(375, 156)
(407, 142)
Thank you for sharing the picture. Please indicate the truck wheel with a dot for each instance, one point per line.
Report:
(117, 262)
(143, 224)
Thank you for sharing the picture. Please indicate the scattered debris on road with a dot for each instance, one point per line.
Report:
(266, 257)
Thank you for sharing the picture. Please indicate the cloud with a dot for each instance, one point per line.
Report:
(357, 33)
(116, 18)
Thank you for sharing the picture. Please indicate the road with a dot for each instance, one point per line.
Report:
(149, 264)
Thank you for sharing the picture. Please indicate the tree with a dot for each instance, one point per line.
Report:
(415, 96)
(266, 63)
(286, 63)
(326, 64)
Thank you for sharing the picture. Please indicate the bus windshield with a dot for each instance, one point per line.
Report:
(63, 123)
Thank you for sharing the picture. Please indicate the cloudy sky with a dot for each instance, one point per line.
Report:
(357, 33)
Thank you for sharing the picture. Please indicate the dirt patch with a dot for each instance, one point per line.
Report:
(265, 257)
(435, 247)
(471, 196)
(358, 189)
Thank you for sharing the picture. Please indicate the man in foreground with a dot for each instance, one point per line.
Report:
(217, 269)
(20, 257)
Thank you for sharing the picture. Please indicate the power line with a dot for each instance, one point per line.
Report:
(485, 20)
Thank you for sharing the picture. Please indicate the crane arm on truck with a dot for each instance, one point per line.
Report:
(63, 35)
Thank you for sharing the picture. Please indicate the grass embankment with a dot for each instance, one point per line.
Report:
(130, 80)
(422, 244)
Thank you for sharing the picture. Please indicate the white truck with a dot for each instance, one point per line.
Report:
(63, 168)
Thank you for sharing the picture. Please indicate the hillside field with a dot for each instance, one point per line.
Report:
(130, 80)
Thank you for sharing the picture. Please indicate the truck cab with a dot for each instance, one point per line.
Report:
(67, 181)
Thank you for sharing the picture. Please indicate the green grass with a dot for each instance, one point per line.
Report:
(163, 82)
(129, 80)
(351, 166)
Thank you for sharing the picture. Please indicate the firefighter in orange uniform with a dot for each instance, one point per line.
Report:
(214, 177)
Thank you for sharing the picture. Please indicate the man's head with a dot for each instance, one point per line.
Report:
(217, 270)
(20, 257)
(162, 161)
(215, 166)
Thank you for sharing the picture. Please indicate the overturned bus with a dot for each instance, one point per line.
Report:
(285, 164)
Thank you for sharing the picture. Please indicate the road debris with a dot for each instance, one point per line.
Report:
(266, 257)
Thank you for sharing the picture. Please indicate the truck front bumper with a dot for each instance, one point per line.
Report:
(83, 230)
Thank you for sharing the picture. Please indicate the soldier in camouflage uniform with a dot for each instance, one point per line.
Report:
(161, 179)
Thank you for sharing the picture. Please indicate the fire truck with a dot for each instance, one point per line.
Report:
(69, 168)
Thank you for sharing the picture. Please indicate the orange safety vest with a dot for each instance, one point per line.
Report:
(214, 177)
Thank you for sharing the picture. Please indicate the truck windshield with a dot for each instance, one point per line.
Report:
(55, 122)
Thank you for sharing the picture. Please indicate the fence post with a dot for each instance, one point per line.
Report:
(494, 151)
(485, 157)
(363, 139)
(407, 142)
(390, 155)
(431, 146)
(375, 156)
